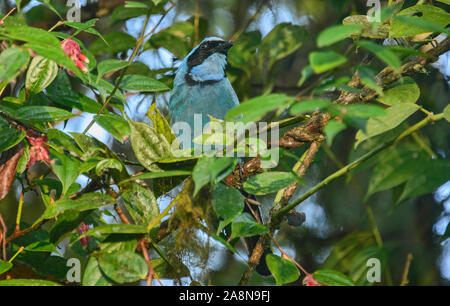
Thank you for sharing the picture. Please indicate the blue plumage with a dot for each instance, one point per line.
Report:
(201, 86)
(202, 89)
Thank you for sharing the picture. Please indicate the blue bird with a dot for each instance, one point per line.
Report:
(201, 87)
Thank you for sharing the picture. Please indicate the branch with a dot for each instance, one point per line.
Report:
(299, 135)
(346, 169)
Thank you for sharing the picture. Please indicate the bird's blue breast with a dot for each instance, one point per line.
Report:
(213, 100)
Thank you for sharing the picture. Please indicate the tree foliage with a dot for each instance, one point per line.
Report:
(364, 134)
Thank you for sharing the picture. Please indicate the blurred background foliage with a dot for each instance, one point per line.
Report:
(338, 226)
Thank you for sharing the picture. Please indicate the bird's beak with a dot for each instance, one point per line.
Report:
(225, 46)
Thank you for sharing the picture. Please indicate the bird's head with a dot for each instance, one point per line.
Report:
(206, 62)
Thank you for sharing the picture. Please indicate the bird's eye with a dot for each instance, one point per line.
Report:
(204, 46)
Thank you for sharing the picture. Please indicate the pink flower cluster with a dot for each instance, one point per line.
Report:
(310, 281)
(83, 228)
(38, 150)
(73, 50)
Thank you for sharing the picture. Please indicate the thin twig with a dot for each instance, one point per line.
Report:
(284, 254)
(9, 13)
(388, 75)
(19, 213)
(120, 78)
(3, 236)
(25, 231)
(151, 272)
(405, 280)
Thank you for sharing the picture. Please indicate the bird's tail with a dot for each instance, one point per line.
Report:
(251, 242)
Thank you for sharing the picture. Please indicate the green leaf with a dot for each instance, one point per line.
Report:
(27, 282)
(43, 43)
(66, 167)
(119, 242)
(309, 106)
(148, 145)
(401, 165)
(242, 55)
(12, 61)
(341, 257)
(110, 65)
(371, 29)
(404, 90)
(135, 4)
(42, 114)
(115, 125)
(283, 270)
(10, 137)
(418, 19)
(154, 175)
(227, 202)
(444, 236)
(307, 72)
(134, 82)
(269, 182)
(359, 266)
(86, 202)
(382, 52)
(116, 42)
(108, 163)
(447, 113)
(368, 78)
(337, 33)
(160, 123)
(163, 269)
(255, 109)
(332, 278)
(246, 226)
(433, 174)
(60, 139)
(115, 229)
(282, 41)
(86, 27)
(357, 110)
(41, 246)
(425, 25)
(123, 13)
(5, 266)
(394, 116)
(66, 222)
(61, 93)
(174, 38)
(208, 169)
(332, 129)
(141, 204)
(123, 266)
(40, 74)
(104, 87)
(324, 61)
(93, 276)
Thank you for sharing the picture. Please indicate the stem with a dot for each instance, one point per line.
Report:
(55, 26)
(354, 164)
(249, 21)
(119, 80)
(19, 213)
(405, 281)
(17, 253)
(197, 22)
(9, 13)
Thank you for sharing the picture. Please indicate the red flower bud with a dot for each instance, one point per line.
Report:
(83, 228)
(73, 50)
(310, 281)
(38, 150)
